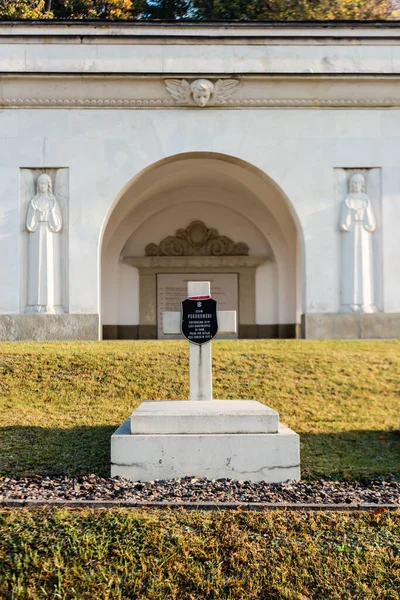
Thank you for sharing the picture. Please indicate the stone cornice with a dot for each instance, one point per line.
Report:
(185, 29)
(249, 103)
(195, 262)
(150, 92)
(174, 49)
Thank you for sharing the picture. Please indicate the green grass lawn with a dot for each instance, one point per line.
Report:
(60, 402)
(167, 555)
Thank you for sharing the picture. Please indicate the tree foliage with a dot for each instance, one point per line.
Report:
(242, 10)
(293, 10)
(23, 9)
(71, 9)
(95, 9)
(166, 9)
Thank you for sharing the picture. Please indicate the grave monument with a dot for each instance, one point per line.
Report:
(203, 437)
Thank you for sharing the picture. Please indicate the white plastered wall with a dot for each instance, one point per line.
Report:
(106, 151)
(344, 114)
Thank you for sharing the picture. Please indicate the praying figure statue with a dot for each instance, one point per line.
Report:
(357, 222)
(44, 223)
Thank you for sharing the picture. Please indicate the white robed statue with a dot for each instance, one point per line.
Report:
(357, 222)
(44, 223)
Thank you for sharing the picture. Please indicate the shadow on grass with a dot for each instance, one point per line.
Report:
(55, 451)
(28, 451)
(350, 454)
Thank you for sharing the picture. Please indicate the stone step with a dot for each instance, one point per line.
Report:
(204, 417)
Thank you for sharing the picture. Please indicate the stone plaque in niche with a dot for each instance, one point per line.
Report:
(172, 288)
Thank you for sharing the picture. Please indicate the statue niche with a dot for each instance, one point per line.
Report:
(197, 240)
(44, 223)
(357, 223)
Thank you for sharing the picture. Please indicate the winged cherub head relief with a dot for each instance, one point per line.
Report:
(200, 91)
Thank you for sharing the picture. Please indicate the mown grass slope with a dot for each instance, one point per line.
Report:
(60, 402)
(179, 555)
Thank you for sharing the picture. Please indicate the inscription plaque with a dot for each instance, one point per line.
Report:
(172, 287)
(199, 323)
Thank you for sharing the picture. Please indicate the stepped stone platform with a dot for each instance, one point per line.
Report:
(235, 439)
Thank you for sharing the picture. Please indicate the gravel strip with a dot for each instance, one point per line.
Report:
(193, 489)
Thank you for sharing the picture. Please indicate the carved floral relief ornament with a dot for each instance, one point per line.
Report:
(357, 223)
(44, 223)
(197, 240)
(201, 91)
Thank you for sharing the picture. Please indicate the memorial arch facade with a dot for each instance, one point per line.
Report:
(201, 216)
(264, 157)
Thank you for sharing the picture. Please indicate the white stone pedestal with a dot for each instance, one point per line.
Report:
(235, 439)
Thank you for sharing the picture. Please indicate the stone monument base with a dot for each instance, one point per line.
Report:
(45, 327)
(234, 439)
(350, 326)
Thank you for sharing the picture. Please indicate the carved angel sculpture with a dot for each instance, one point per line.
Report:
(357, 223)
(44, 223)
(201, 90)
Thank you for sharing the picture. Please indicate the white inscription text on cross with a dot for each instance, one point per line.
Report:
(200, 356)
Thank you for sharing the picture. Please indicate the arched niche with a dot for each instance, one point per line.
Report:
(226, 194)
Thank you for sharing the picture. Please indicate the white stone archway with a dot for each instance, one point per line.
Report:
(224, 193)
